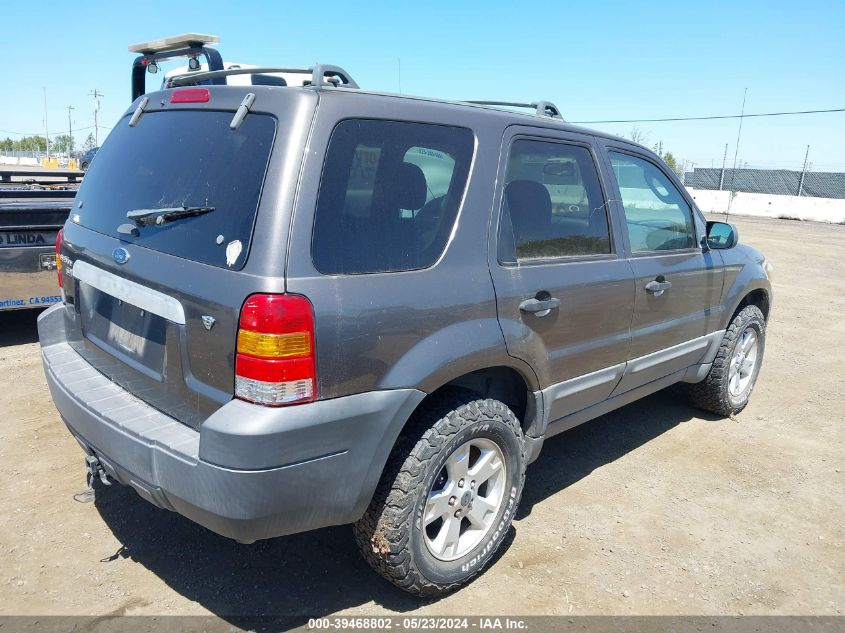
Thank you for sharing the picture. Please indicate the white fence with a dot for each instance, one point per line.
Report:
(770, 206)
(19, 160)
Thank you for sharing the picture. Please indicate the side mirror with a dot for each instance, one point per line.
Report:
(721, 235)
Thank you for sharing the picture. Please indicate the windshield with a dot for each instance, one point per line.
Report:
(181, 159)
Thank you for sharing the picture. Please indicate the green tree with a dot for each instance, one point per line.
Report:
(62, 143)
(31, 144)
(671, 161)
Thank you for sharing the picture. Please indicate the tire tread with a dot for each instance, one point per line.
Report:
(383, 533)
(711, 394)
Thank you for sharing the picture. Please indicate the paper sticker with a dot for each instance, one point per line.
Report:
(233, 250)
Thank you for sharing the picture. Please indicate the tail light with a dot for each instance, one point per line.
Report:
(59, 258)
(275, 362)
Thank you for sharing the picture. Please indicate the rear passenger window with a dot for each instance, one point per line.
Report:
(657, 216)
(552, 204)
(389, 195)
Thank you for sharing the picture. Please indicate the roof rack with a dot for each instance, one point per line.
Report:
(322, 75)
(541, 108)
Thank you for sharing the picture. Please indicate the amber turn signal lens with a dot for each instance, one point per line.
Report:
(274, 345)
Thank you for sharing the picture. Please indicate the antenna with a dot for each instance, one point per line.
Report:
(736, 153)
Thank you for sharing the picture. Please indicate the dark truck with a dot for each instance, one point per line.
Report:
(30, 220)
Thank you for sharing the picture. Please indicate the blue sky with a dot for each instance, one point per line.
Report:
(595, 60)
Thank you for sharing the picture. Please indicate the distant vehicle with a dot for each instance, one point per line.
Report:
(86, 158)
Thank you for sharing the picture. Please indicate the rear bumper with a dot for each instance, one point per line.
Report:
(25, 279)
(250, 472)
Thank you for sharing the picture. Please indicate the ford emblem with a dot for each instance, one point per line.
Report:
(121, 255)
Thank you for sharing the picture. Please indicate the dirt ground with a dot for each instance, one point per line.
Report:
(652, 509)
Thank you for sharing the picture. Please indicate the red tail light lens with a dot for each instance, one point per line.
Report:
(59, 258)
(275, 362)
(191, 95)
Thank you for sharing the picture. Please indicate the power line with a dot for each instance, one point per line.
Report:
(710, 118)
(89, 127)
(688, 118)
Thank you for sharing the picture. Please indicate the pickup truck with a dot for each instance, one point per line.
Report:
(29, 223)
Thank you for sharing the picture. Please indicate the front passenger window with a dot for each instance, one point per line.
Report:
(658, 217)
(552, 204)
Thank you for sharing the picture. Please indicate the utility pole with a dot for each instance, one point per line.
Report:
(96, 94)
(724, 160)
(70, 130)
(736, 151)
(46, 129)
(803, 172)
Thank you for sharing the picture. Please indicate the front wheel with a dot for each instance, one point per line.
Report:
(447, 497)
(732, 377)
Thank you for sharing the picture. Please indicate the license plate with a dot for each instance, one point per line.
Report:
(47, 261)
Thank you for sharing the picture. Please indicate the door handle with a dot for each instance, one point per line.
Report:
(658, 286)
(540, 307)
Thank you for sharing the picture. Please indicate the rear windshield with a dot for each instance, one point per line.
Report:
(180, 159)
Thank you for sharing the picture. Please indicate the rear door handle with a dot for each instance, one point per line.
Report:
(658, 286)
(540, 307)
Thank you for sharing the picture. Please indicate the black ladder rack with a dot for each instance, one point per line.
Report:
(541, 108)
(322, 75)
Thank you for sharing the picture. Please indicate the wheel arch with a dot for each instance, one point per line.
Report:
(759, 297)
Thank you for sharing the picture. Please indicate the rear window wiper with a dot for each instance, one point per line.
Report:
(144, 217)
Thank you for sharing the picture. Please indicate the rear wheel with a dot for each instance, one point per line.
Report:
(447, 497)
(731, 380)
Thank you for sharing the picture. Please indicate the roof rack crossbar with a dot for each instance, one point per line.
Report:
(322, 75)
(541, 108)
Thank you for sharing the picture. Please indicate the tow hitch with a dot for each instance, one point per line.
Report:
(95, 472)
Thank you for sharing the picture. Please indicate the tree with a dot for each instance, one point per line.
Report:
(31, 144)
(89, 142)
(638, 136)
(671, 161)
(62, 143)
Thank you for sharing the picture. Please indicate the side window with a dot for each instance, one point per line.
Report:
(658, 217)
(552, 205)
(389, 195)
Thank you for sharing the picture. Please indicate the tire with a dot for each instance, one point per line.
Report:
(397, 536)
(716, 393)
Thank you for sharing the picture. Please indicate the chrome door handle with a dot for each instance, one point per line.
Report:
(658, 286)
(538, 306)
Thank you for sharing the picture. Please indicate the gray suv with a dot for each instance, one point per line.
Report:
(292, 307)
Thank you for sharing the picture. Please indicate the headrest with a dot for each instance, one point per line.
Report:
(409, 187)
(530, 207)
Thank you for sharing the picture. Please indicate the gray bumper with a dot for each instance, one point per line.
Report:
(250, 472)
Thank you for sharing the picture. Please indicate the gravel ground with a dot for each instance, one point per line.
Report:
(653, 509)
